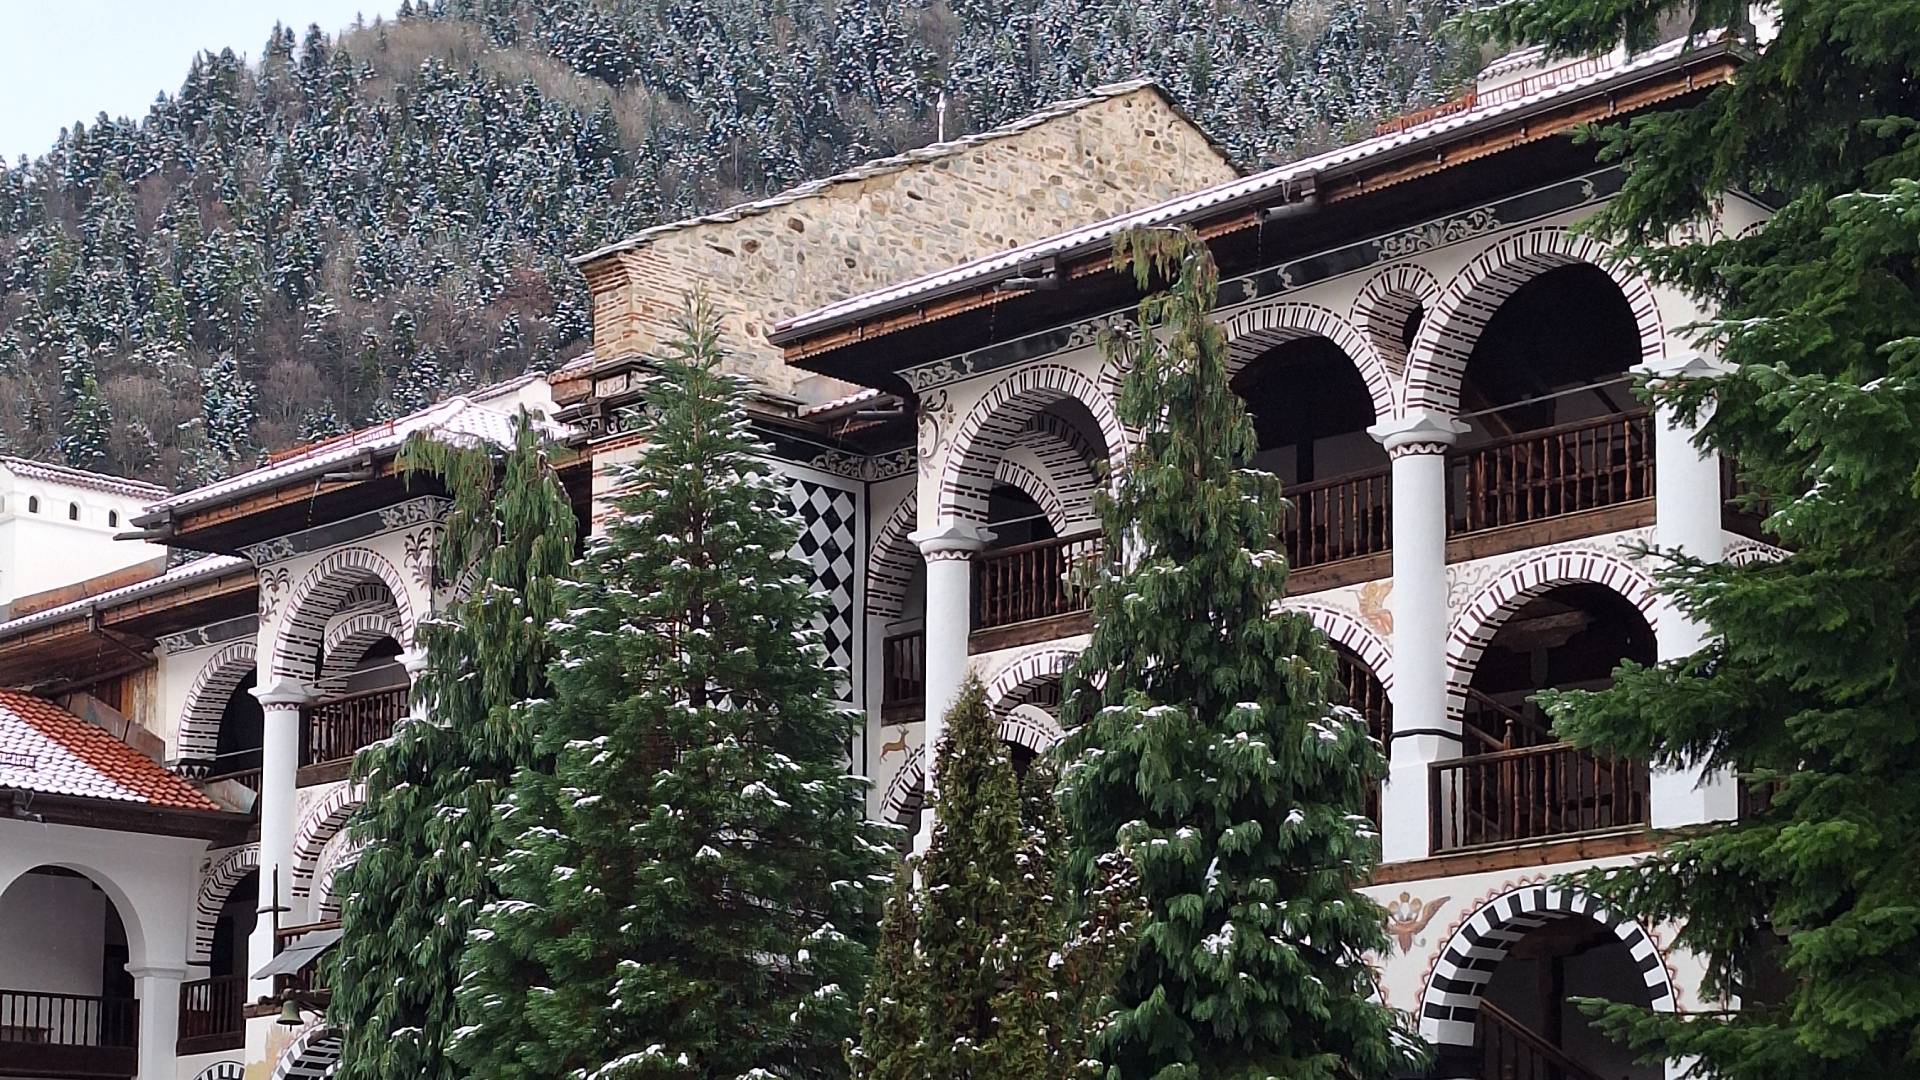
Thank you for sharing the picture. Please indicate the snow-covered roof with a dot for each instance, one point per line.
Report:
(186, 573)
(1520, 96)
(457, 419)
(895, 163)
(44, 748)
(50, 473)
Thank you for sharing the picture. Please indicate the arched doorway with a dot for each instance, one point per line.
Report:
(1311, 408)
(237, 750)
(1553, 426)
(1516, 782)
(212, 1016)
(1041, 517)
(66, 998)
(1499, 1000)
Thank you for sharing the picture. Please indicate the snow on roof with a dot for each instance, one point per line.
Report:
(65, 474)
(44, 748)
(204, 567)
(457, 419)
(897, 162)
(1520, 96)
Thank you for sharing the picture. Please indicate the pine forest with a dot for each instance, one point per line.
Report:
(344, 228)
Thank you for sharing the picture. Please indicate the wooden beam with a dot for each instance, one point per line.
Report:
(1577, 849)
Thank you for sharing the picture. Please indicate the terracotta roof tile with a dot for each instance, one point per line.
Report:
(47, 749)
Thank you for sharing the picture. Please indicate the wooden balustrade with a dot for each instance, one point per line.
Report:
(338, 729)
(1564, 469)
(1032, 581)
(903, 676)
(212, 1014)
(1532, 793)
(242, 768)
(1341, 518)
(41, 1019)
(1509, 1050)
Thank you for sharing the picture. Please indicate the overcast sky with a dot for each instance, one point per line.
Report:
(67, 60)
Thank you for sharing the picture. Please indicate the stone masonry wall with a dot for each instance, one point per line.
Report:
(1106, 158)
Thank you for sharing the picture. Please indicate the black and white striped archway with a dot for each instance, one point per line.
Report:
(314, 1055)
(1450, 1008)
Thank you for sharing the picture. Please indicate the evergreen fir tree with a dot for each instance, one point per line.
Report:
(1809, 686)
(427, 831)
(690, 892)
(86, 422)
(1202, 744)
(976, 978)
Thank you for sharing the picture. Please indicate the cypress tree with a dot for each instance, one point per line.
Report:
(427, 831)
(973, 980)
(691, 890)
(1809, 685)
(1202, 746)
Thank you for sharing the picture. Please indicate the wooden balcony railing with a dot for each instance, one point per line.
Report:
(212, 1015)
(1564, 469)
(1341, 518)
(338, 729)
(903, 676)
(1532, 793)
(1509, 1050)
(1032, 581)
(44, 1034)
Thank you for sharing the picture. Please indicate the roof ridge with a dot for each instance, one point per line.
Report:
(902, 159)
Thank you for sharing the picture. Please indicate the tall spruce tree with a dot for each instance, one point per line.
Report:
(1809, 687)
(427, 831)
(1202, 743)
(691, 891)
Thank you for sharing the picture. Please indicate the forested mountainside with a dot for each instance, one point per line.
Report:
(346, 227)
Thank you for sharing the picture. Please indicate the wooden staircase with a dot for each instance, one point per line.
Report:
(1509, 1050)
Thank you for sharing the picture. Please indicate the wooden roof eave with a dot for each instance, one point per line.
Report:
(1692, 72)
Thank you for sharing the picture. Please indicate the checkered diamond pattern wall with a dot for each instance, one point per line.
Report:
(828, 541)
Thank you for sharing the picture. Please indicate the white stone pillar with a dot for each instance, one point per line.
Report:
(280, 702)
(1422, 734)
(1687, 503)
(157, 989)
(949, 550)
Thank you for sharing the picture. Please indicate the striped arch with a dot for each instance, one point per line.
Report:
(1347, 629)
(1528, 577)
(907, 791)
(1013, 474)
(1011, 685)
(213, 687)
(313, 1055)
(217, 881)
(335, 858)
(1450, 1007)
(318, 825)
(1385, 304)
(347, 641)
(326, 590)
(1451, 330)
(1254, 331)
(999, 420)
(892, 561)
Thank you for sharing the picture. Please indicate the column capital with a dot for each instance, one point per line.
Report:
(951, 540)
(1421, 431)
(1684, 366)
(158, 971)
(284, 692)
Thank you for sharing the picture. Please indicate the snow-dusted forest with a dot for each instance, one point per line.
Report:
(338, 229)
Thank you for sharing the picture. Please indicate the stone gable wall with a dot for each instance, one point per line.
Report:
(1107, 158)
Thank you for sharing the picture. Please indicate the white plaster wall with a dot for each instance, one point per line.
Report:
(51, 934)
(47, 550)
(150, 879)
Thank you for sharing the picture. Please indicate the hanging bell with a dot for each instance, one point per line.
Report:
(289, 1012)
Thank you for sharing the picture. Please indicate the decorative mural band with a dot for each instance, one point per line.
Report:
(244, 626)
(426, 508)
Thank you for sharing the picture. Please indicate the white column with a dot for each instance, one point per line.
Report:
(1422, 734)
(1687, 502)
(157, 989)
(280, 702)
(949, 550)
